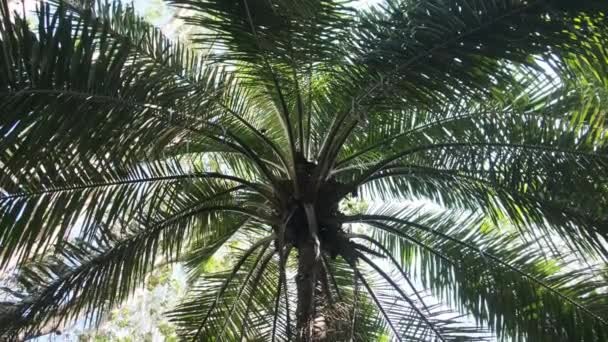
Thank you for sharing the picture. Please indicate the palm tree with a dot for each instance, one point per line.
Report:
(473, 129)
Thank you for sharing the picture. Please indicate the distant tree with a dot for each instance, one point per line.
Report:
(474, 130)
(157, 11)
(142, 317)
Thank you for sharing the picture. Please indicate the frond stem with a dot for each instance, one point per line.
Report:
(375, 299)
(403, 295)
(394, 261)
(55, 190)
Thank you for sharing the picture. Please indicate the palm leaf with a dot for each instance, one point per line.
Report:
(540, 287)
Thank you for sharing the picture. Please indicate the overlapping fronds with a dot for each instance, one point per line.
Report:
(222, 303)
(520, 289)
(78, 77)
(426, 52)
(296, 33)
(87, 277)
(521, 160)
(483, 122)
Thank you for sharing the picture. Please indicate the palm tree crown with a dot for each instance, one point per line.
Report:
(474, 130)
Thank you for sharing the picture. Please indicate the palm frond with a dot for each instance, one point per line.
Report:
(430, 51)
(132, 83)
(515, 160)
(50, 210)
(217, 306)
(488, 258)
(91, 276)
(291, 32)
(404, 320)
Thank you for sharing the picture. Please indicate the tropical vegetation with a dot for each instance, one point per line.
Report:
(473, 132)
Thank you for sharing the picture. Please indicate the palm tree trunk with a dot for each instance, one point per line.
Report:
(306, 281)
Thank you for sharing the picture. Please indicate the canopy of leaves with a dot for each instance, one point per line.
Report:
(476, 129)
